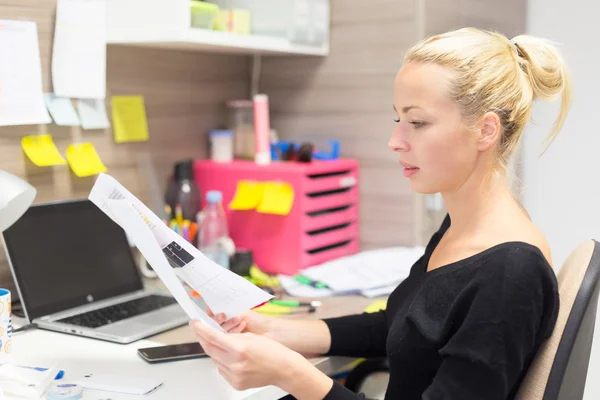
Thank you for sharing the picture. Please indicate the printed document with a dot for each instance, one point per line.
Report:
(222, 290)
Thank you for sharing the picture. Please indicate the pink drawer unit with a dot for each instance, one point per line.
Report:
(322, 224)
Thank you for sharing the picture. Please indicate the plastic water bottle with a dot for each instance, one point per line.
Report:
(213, 232)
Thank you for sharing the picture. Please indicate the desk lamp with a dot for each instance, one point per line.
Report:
(16, 196)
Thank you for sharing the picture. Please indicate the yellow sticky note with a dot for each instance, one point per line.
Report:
(248, 195)
(84, 160)
(376, 306)
(278, 198)
(129, 119)
(42, 151)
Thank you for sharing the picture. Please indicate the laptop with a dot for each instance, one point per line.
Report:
(75, 273)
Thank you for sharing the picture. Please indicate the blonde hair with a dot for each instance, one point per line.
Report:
(493, 73)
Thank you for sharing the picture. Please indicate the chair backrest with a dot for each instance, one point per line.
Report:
(559, 370)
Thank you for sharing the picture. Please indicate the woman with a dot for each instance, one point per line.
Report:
(476, 307)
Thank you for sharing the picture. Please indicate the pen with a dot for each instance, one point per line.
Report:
(193, 230)
(178, 215)
(296, 303)
(59, 375)
(309, 282)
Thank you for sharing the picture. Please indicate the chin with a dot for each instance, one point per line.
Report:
(423, 188)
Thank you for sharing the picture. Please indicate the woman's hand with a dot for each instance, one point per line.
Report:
(248, 360)
(250, 321)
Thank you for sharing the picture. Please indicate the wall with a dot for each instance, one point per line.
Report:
(560, 188)
(184, 92)
(348, 96)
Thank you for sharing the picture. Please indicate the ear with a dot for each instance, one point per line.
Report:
(489, 132)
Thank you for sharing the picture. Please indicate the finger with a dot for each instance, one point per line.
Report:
(209, 312)
(220, 318)
(213, 336)
(217, 354)
(232, 323)
(238, 329)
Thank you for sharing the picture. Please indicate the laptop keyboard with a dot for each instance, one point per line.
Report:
(118, 312)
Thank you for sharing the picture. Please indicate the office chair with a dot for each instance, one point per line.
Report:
(560, 367)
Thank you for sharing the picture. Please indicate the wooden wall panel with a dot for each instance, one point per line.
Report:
(184, 93)
(348, 96)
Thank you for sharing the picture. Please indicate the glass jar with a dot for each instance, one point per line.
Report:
(241, 122)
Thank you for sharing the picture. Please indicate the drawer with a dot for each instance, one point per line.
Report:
(330, 181)
(337, 250)
(329, 217)
(318, 201)
(330, 235)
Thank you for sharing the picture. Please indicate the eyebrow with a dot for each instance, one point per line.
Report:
(405, 109)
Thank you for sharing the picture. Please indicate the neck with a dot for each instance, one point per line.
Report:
(476, 201)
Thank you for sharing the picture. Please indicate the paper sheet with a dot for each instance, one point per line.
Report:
(92, 114)
(248, 195)
(129, 119)
(375, 269)
(21, 94)
(79, 51)
(42, 151)
(84, 160)
(62, 110)
(222, 290)
(128, 218)
(278, 198)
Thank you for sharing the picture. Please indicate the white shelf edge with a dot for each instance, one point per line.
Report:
(207, 40)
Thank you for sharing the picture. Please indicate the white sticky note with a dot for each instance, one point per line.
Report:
(92, 114)
(62, 110)
(21, 93)
(79, 51)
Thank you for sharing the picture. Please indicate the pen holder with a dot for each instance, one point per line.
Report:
(5, 322)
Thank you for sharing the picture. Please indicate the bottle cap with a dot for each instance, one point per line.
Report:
(214, 196)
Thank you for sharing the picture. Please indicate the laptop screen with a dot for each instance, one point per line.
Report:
(69, 254)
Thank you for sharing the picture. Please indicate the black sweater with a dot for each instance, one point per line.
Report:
(465, 331)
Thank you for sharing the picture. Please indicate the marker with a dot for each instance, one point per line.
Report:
(309, 282)
(296, 303)
(179, 215)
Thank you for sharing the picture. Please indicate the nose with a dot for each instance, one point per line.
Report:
(399, 140)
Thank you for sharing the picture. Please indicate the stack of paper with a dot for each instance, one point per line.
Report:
(371, 273)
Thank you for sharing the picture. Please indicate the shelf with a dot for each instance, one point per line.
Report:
(223, 42)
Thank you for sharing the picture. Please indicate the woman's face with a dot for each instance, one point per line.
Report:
(436, 149)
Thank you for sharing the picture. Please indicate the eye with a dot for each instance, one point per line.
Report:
(396, 119)
(417, 124)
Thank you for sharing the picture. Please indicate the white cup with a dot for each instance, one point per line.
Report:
(5, 322)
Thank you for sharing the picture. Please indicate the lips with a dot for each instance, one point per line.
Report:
(409, 169)
(407, 165)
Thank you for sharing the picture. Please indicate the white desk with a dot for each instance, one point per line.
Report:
(189, 379)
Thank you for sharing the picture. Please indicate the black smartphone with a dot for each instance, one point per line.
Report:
(175, 352)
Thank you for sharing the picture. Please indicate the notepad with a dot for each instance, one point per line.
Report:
(21, 93)
(79, 49)
(129, 119)
(248, 195)
(42, 151)
(278, 198)
(84, 160)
